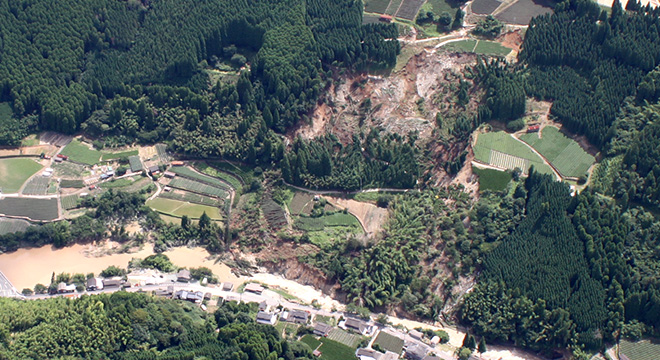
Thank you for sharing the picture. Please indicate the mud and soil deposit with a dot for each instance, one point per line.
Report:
(27, 267)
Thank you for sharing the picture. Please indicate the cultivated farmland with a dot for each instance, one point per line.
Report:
(522, 11)
(35, 209)
(12, 225)
(389, 342)
(118, 155)
(197, 187)
(372, 6)
(478, 47)
(311, 341)
(409, 9)
(641, 350)
(38, 185)
(179, 208)
(502, 150)
(194, 175)
(490, 179)
(75, 184)
(191, 197)
(14, 172)
(562, 152)
(273, 213)
(333, 350)
(344, 337)
(70, 202)
(207, 169)
(301, 203)
(81, 153)
(485, 7)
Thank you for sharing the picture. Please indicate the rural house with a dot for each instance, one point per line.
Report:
(266, 318)
(254, 288)
(114, 282)
(358, 326)
(416, 352)
(94, 284)
(227, 286)
(298, 317)
(321, 329)
(183, 275)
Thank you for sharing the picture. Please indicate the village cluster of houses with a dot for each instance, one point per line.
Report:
(92, 284)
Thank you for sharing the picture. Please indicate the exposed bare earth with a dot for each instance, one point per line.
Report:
(370, 216)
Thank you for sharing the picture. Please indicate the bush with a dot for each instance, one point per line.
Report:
(384, 200)
(40, 289)
(238, 60)
(489, 27)
(27, 292)
(515, 125)
(112, 271)
(159, 261)
(121, 171)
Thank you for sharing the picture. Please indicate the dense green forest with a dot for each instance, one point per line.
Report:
(136, 326)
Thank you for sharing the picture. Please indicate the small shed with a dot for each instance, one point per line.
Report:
(183, 275)
(227, 286)
(266, 318)
(386, 18)
(254, 288)
(154, 170)
(94, 284)
(169, 174)
(416, 334)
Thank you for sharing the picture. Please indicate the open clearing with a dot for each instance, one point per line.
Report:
(641, 350)
(491, 179)
(81, 153)
(12, 225)
(179, 208)
(503, 151)
(14, 172)
(389, 342)
(370, 216)
(562, 152)
(35, 209)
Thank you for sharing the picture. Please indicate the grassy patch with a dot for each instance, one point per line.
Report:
(502, 150)
(319, 223)
(563, 153)
(641, 350)
(311, 341)
(117, 183)
(325, 319)
(68, 170)
(118, 155)
(14, 172)
(461, 46)
(389, 342)
(490, 179)
(491, 48)
(81, 153)
(179, 208)
(30, 140)
(243, 172)
(333, 350)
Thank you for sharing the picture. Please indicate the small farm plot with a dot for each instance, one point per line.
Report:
(232, 180)
(180, 208)
(502, 150)
(38, 185)
(491, 48)
(198, 187)
(81, 153)
(562, 152)
(490, 179)
(274, 214)
(191, 197)
(409, 9)
(70, 202)
(161, 150)
(333, 350)
(68, 170)
(389, 342)
(73, 184)
(641, 350)
(14, 172)
(8, 226)
(461, 46)
(321, 222)
(119, 155)
(35, 209)
(301, 203)
(344, 337)
(522, 11)
(393, 7)
(194, 175)
(311, 341)
(375, 6)
(116, 183)
(242, 172)
(135, 163)
(485, 7)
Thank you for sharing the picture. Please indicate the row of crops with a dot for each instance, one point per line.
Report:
(198, 187)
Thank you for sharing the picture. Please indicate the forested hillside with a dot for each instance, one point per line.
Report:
(135, 326)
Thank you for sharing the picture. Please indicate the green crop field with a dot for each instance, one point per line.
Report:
(35, 209)
(75, 184)
(502, 150)
(333, 350)
(14, 172)
(12, 225)
(67, 169)
(81, 153)
(490, 179)
(301, 203)
(641, 350)
(393, 7)
(344, 337)
(311, 341)
(563, 153)
(116, 183)
(198, 187)
(38, 185)
(389, 342)
(243, 172)
(191, 197)
(179, 208)
(374, 6)
(319, 223)
(232, 180)
(491, 48)
(194, 175)
(118, 155)
(70, 202)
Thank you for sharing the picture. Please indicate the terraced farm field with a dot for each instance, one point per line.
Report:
(14, 172)
(75, 184)
(198, 187)
(81, 153)
(179, 208)
(12, 225)
(344, 337)
(641, 350)
(35, 209)
(119, 155)
(70, 202)
(301, 203)
(563, 153)
(320, 223)
(194, 175)
(191, 197)
(333, 350)
(207, 169)
(502, 150)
